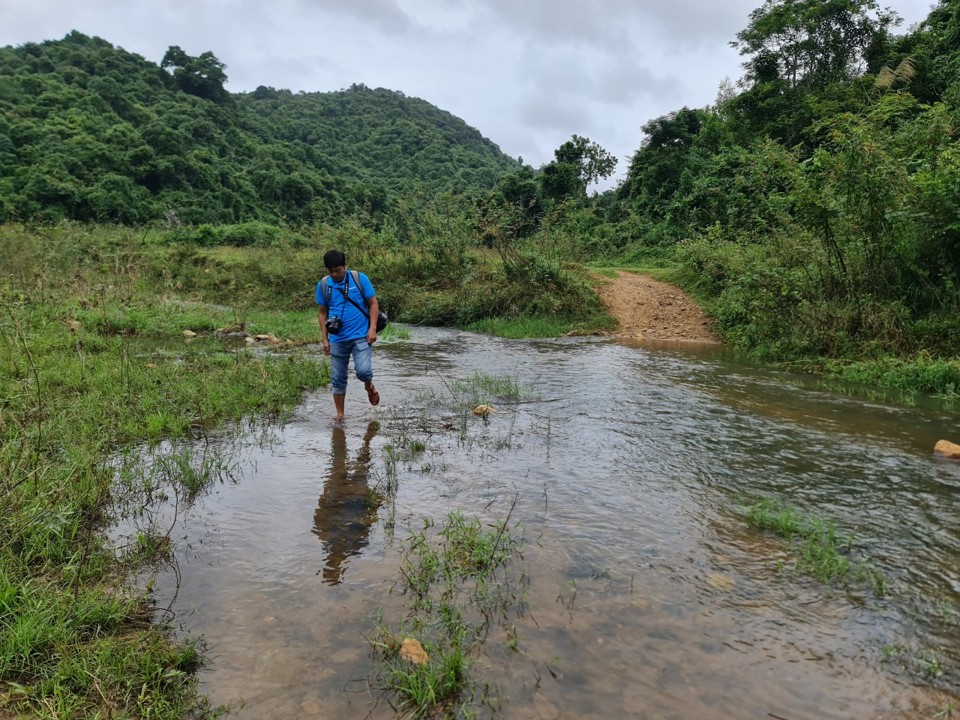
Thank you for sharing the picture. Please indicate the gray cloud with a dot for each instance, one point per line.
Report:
(620, 25)
(385, 15)
(554, 112)
(596, 78)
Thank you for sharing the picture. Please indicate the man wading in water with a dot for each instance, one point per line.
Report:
(347, 308)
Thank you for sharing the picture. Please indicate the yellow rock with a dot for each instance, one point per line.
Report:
(483, 410)
(947, 449)
(412, 650)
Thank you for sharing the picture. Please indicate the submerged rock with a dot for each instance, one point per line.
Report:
(947, 449)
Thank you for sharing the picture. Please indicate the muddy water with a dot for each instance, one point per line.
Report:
(648, 595)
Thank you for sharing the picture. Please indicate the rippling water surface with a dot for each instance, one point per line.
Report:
(629, 465)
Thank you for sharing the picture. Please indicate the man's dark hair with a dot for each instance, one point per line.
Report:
(334, 258)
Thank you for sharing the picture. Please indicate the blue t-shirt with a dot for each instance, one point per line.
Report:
(355, 322)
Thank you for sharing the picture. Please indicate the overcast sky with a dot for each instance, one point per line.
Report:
(527, 74)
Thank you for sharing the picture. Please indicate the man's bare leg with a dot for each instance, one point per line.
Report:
(338, 403)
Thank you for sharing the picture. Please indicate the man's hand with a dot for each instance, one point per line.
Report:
(371, 337)
(322, 319)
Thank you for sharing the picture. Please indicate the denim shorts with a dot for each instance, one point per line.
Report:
(339, 361)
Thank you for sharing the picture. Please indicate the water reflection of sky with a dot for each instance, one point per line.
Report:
(627, 465)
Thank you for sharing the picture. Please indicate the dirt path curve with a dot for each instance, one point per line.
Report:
(650, 309)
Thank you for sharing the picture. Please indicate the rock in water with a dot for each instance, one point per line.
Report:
(947, 449)
(412, 650)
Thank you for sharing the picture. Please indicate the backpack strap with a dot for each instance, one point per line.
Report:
(356, 280)
(346, 294)
(327, 290)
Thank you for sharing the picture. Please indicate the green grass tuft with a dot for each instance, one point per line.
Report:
(820, 550)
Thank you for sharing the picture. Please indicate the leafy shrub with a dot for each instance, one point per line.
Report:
(255, 234)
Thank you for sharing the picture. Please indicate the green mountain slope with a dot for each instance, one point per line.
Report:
(89, 131)
(383, 136)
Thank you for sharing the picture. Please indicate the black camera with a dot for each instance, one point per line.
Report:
(334, 325)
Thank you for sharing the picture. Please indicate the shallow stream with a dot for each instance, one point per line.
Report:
(628, 467)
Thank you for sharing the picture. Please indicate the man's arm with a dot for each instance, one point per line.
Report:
(322, 319)
(322, 312)
(373, 314)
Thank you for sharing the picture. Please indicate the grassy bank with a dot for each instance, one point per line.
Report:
(760, 333)
(448, 280)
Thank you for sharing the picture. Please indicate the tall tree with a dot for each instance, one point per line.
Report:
(578, 163)
(656, 168)
(811, 42)
(203, 76)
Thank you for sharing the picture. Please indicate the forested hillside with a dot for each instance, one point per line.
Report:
(815, 208)
(91, 132)
(383, 136)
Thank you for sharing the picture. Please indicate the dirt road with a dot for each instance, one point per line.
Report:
(648, 308)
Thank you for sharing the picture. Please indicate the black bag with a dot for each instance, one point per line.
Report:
(382, 318)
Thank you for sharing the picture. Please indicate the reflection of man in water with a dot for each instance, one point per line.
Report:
(347, 507)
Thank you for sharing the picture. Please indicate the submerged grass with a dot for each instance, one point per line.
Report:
(485, 387)
(820, 550)
(459, 585)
